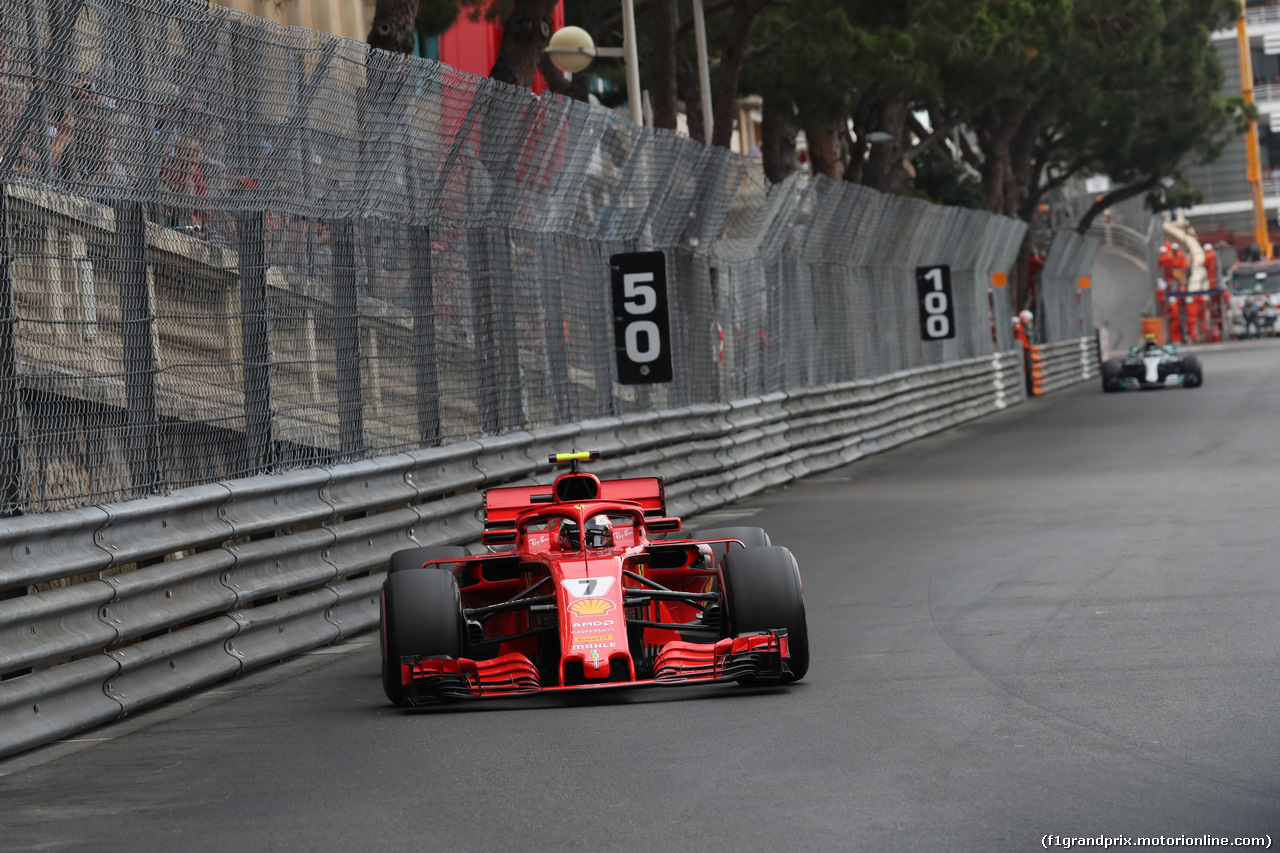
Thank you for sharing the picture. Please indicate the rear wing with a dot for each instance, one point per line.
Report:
(503, 504)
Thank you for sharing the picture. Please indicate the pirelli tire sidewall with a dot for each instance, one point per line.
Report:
(1112, 375)
(1192, 372)
(752, 537)
(421, 616)
(762, 592)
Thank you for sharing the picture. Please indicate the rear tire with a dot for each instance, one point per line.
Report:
(421, 616)
(752, 537)
(1192, 372)
(1111, 370)
(413, 558)
(762, 591)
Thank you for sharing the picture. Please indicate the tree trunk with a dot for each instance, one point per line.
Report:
(1021, 292)
(824, 151)
(777, 140)
(725, 104)
(556, 81)
(995, 136)
(393, 25)
(691, 88)
(1021, 160)
(525, 34)
(662, 62)
(883, 170)
(857, 161)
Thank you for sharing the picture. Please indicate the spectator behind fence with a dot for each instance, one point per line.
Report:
(181, 174)
(14, 88)
(80, 148)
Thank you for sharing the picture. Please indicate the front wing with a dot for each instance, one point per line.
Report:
(764, 656)
(1134, 376)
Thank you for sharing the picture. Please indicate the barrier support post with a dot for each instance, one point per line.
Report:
(13, 481)
(255, 329)
(346, 333)
(426, 353)
(137, 317)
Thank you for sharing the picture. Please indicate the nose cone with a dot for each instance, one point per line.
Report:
(593, 628)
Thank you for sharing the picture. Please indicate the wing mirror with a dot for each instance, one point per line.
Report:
(661, 525)
(499, 537)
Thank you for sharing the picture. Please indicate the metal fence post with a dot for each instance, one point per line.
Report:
(497, 342)
(13, 481)
(137, 320)
(255, 330)
(426, 351)
(552, 295)
(346, 344)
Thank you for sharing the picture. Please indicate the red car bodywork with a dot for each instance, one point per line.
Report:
(551, 614)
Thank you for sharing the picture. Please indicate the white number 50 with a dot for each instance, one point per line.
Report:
(633, 289)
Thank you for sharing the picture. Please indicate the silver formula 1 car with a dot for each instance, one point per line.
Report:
(1152, 366)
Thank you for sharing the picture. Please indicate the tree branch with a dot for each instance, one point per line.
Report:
(1115, 196)
(970, 156)
(554, 77)
(1063, 176)
(761, 50)
(926, 136)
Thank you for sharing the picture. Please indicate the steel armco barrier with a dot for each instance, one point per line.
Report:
(1055, 366)
(208, 582)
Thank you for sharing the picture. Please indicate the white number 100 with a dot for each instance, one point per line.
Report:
(935, 305)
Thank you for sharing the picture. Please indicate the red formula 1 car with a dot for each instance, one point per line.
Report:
(585, 598)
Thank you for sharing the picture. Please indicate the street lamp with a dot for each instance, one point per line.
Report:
(572, 49)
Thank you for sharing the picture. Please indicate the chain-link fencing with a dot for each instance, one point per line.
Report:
(1063, 297)
(228, 248)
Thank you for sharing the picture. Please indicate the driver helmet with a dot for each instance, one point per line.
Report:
(570, 540)
(1208, 247)
(1025, 315)
(599, 532)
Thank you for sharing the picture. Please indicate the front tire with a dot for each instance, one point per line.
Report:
(421, 616)
(1111, 380)
(752, 537)
(762, 591)
(1192, 372)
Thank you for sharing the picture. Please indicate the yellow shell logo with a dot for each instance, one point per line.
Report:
(591, 606)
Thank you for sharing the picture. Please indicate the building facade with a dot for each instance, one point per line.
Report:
(348, 18)
(1226, 213)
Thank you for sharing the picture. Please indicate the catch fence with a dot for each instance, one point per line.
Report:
(1064, 296)
(1129, 226)
(229, 248)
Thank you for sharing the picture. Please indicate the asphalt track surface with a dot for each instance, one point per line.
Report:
(1060, 619)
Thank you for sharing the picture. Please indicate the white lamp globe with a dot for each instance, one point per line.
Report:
(571, 37)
